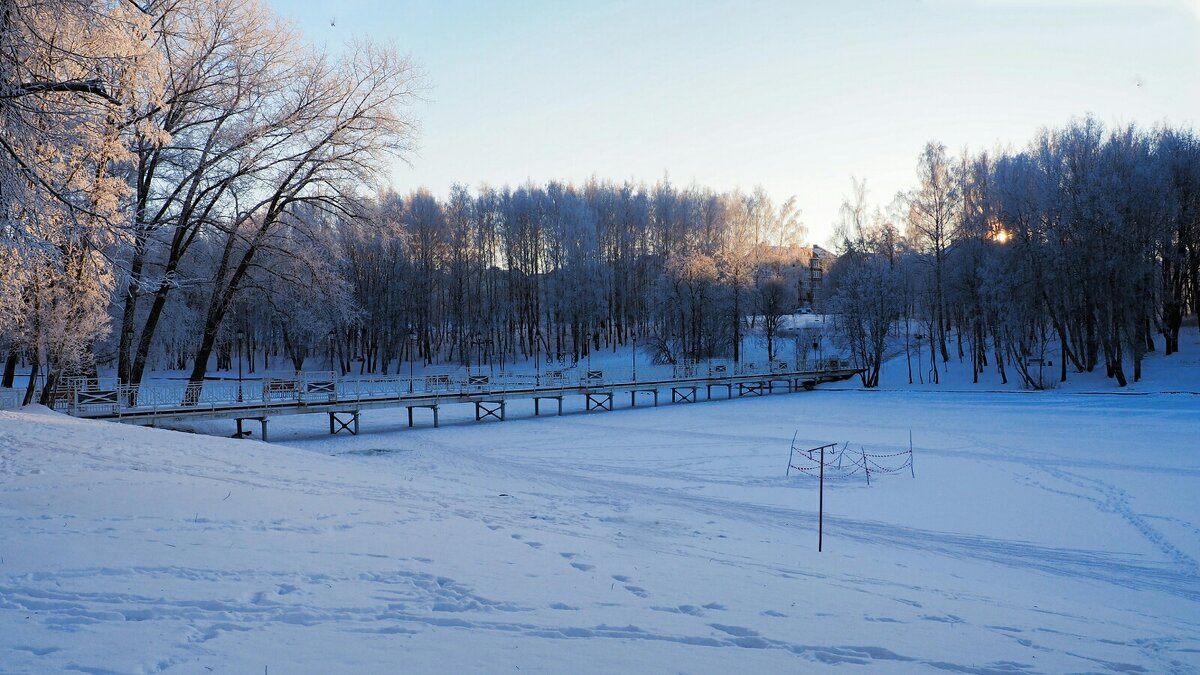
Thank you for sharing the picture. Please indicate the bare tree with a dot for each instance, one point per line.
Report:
(341, 121)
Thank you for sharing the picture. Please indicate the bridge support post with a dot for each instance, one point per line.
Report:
(490, 409)
(263, 422)
(755, 388)
(537, 402)
(240, 433)
(599, 401)
(350, 425)
(728, 389)
(683, 394)
(433, 407)
(633, 396)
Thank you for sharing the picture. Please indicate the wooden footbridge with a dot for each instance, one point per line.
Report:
(343, 399)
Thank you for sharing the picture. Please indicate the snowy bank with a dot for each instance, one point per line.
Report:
(1042, 533)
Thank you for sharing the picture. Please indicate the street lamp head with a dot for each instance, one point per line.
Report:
(241, 334)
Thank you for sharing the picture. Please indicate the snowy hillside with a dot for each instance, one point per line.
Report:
(1042, 533)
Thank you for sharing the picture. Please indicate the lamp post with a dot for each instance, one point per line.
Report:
(240, 336)
(478, 351)
(332, 337)
(634, 336)
(412, 355)
(537, 356)
(491, 344)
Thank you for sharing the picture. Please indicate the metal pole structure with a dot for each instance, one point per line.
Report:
(821, 505)
(240, 336)
(479, 352)
(791, 452)
(537, 356)
(634, 336)
(911, 470)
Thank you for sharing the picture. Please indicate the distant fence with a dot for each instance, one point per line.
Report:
(10, 399)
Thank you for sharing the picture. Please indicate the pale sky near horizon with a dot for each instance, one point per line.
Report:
(796, 97)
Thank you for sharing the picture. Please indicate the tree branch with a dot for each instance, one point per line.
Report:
(95, 87)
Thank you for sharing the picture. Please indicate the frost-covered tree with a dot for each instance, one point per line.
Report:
(933, 212)
(69, 71)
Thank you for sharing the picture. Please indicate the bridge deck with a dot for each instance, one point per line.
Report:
(322, 393)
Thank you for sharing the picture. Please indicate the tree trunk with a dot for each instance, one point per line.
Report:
(1112, 349)
(1000, 358)
(129, 316)
(934, 376)
(1065, 351)
(10, 369)
(907, 348)
(31, 385)
(48, 391)
(148, 329)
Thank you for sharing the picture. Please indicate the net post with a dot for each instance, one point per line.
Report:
(911, 470)
(821, 505)
(791, 452)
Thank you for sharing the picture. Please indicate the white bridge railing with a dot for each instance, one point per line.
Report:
(92, 397)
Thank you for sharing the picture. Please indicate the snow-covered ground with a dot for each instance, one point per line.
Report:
(1048, 532)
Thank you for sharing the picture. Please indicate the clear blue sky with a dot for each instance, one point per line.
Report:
(793, 96)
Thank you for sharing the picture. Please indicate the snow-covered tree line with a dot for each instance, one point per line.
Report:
(159, 156)
(558, 271)
(495, 276)
(1079, 251)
